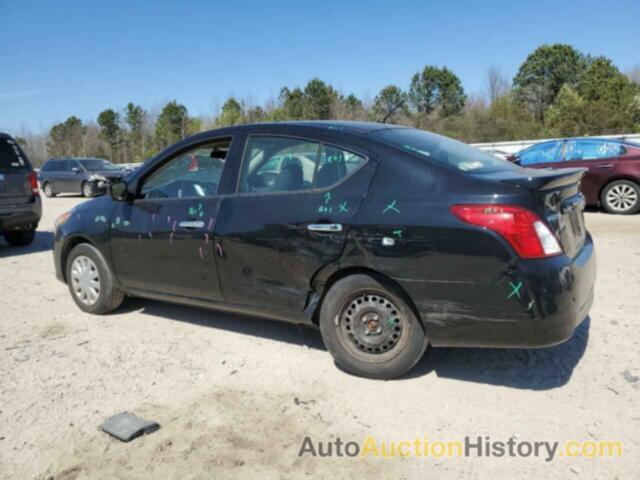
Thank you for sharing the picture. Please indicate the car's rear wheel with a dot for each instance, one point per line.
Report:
(370, 329)
(621, 196)
(88, 190)
(90, 280)
(48, 190)
(20, 238)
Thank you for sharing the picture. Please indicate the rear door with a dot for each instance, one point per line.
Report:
(295, 204)
(161, 242)
(600, 157)
(15, 186)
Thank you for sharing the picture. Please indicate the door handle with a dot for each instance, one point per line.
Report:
(191, 224)
(324, 227)
(605, 165)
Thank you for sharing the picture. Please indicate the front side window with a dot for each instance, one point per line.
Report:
(548, 152)
(592, 149)
(195, 173)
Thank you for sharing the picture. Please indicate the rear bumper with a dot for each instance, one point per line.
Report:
(14, 217)
(554, 297)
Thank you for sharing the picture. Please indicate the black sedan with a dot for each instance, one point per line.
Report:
(387, 238)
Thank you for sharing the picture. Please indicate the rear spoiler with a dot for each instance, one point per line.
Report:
(538, 180)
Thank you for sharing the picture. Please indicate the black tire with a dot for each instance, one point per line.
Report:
(88, 190)
(48, 190)
(108, 297)
(20, 238)
(621, 197)
(358, 348)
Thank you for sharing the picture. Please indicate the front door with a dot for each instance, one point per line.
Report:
(162, 241)
(295, 204)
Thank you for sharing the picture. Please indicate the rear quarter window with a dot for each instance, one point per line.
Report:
(11, 156)
(444, 151)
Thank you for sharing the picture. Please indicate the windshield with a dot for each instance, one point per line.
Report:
(97, 164)
(444, 150)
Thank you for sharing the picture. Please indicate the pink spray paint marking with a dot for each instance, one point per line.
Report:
(173, 228)
(153, 217)
(169, 219)
(206, 239)
(210, 223)
(150, 236)
(171, 239)
(201, 253)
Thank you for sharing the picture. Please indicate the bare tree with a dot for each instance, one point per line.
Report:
(634, 74)
(497, 84)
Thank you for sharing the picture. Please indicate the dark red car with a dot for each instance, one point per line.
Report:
(613, 179)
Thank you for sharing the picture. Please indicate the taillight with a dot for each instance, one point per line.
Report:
(33, 180)
(523, 229)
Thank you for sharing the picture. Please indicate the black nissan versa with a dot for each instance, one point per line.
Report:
(387, 238)
(20, 206)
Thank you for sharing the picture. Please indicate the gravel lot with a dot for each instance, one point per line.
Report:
(236, 395)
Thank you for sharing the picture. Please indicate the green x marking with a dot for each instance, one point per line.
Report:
(343, 207)
(391, 207)
(515, 289)
(398, 233)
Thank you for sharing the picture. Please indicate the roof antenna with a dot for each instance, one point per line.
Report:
(386, 117)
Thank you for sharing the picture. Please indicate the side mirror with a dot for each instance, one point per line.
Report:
(119, 191)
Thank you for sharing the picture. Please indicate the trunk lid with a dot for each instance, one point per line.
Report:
(558, 201)
(15, 185)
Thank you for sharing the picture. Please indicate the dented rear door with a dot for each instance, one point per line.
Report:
(271, 244)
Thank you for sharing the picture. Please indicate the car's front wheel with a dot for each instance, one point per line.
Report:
(90, 280)
(370, 329)
(48, 190)
(20, 238)
(621, 196)
(88, 190)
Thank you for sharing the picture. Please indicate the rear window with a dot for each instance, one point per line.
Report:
(11, 156)
(444, 151)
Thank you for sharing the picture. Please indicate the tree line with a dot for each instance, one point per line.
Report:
(558, 91)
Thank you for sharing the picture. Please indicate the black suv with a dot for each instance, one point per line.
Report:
(20, 206)
(87, 176)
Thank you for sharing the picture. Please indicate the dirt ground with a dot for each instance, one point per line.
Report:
(236, 395)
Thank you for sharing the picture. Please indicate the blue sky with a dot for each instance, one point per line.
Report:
(62, 58)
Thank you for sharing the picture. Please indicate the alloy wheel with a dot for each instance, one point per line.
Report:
(621, 197)
(87, 190)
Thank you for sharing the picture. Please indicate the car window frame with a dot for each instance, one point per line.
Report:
(320, 143)
(157, 166)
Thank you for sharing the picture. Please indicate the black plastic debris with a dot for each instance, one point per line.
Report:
(126, 426)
